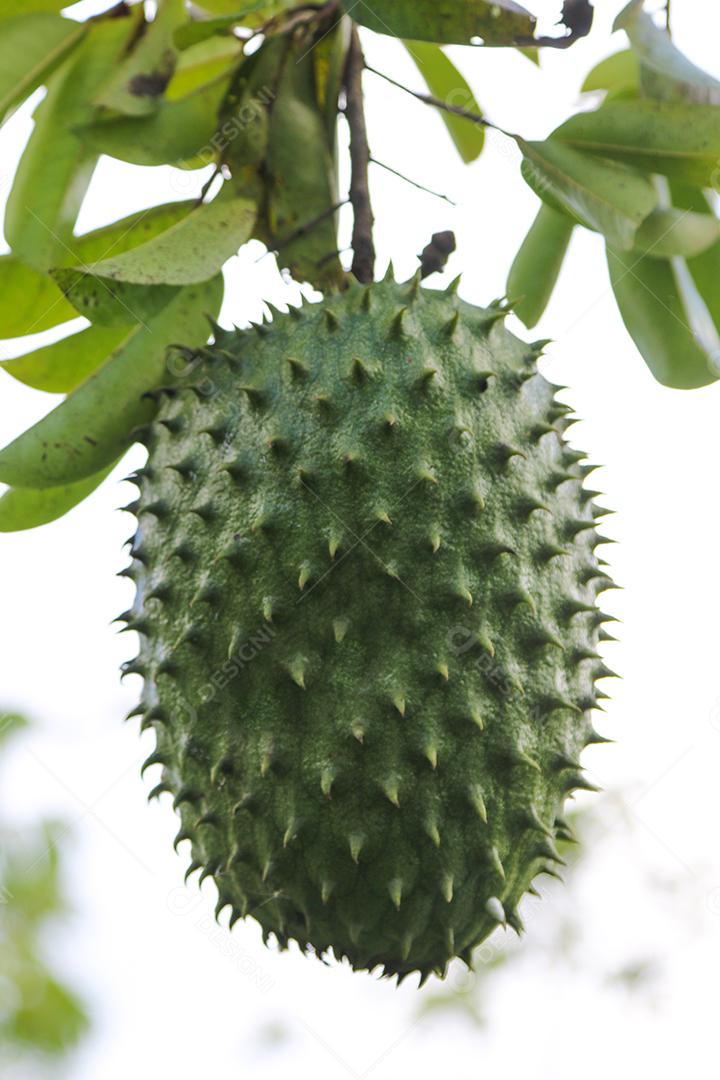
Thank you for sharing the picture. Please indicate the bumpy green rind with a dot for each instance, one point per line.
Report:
(366, 595)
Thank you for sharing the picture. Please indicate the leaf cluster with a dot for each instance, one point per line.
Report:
(643, 170)
(40, 1014)
(254, 92)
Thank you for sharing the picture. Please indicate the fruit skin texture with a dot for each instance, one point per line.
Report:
(366, 595)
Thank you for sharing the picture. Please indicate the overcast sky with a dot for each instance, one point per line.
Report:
(174, 997)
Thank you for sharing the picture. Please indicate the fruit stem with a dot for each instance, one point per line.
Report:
(363, 265)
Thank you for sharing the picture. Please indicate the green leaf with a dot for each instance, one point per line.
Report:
(667, 74)
(329, 57)
(60, 367)
(31, 302)
(245, 146)
(537, 265)
(203, 63)
(49, 1018)
(704, 269)
(671, 232)
(599, 194)
(687, 197)
(129, 232)
(299, 172)
(112, 304)
(446, 22)
(31, 881)
(202, 29)
(618, 74)
(10, 724)
(662, 318)
(183, 130)
(190, 251)
(680, 141)
(56, 167)
(231, 7)
(11, 8)
(31, 47)
(199, 31)
(445, 82)
(139, 82)
(26, 508)
(253, 14)
(136, 286)
(88, 430)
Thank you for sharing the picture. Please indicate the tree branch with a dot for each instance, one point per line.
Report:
(363, 265)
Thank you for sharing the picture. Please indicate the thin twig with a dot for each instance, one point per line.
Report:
(421, 187)
(363, 264)
(668, 15)
(438, 103)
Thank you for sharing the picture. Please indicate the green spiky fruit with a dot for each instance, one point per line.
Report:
(366, 595)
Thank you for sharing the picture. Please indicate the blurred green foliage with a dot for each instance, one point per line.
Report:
(41, 1018)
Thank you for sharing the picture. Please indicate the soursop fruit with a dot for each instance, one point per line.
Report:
(366, 595)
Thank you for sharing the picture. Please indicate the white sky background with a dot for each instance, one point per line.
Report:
(171, 997)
